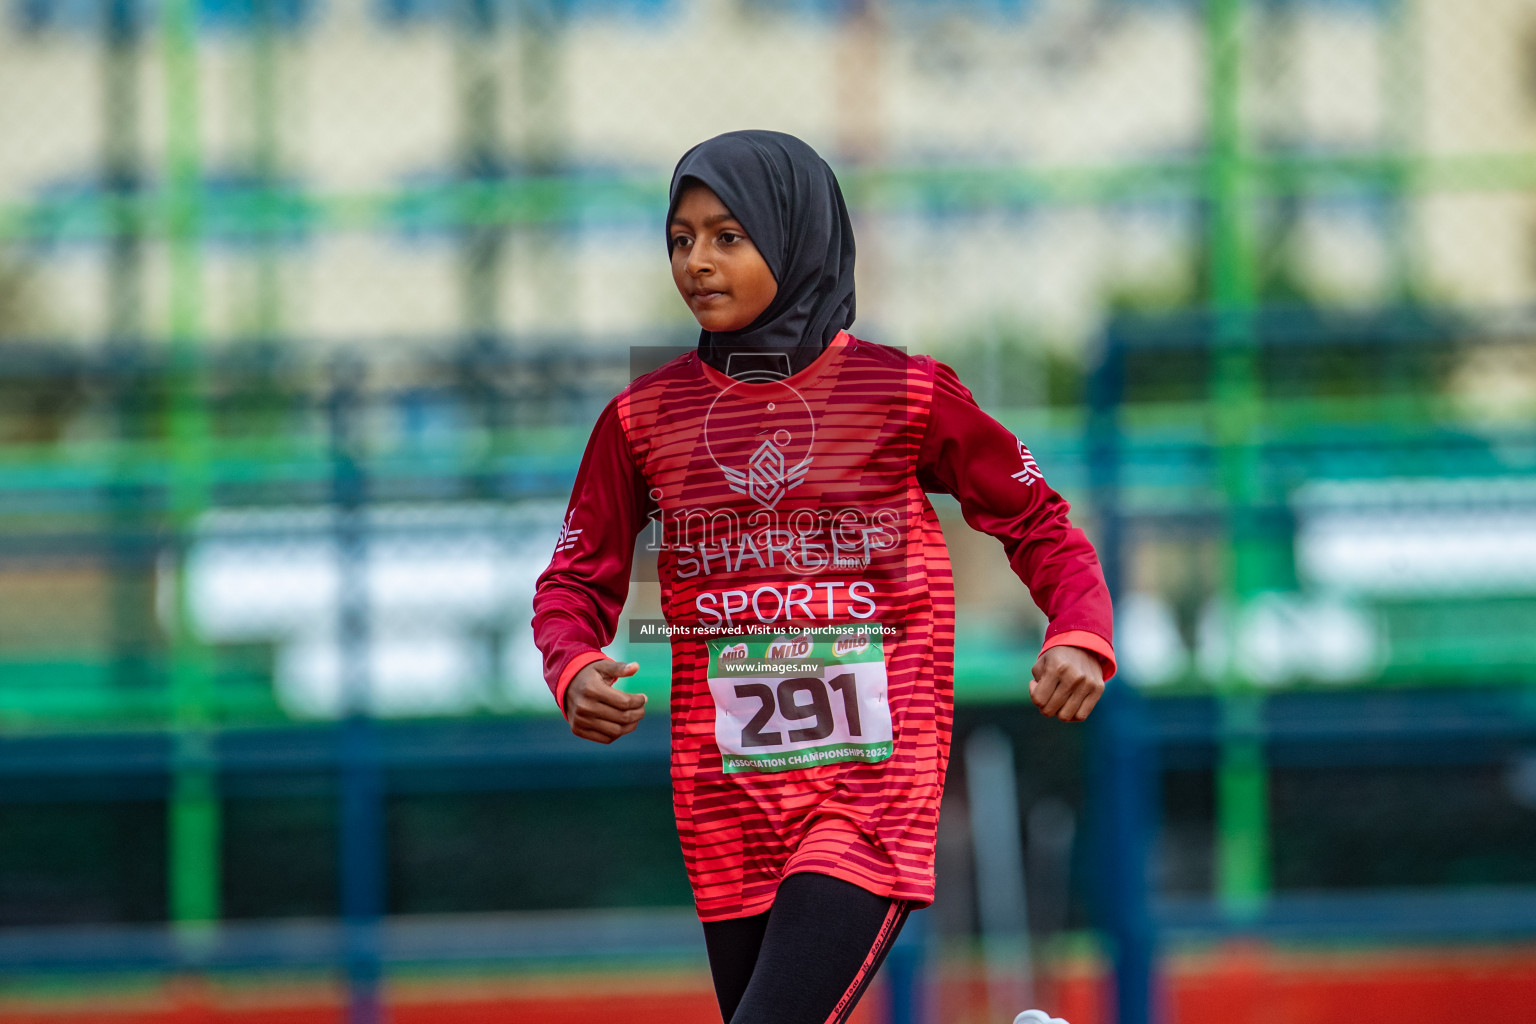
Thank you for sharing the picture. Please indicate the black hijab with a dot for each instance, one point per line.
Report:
(788, 200)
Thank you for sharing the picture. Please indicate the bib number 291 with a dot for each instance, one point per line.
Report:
(786, 699)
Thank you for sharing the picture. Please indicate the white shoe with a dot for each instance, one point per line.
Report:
(1037, 1017)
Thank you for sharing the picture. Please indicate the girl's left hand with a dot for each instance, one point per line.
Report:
(1068, 682)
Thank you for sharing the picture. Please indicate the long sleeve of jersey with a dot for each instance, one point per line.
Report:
(577, 600)
(1002, 492)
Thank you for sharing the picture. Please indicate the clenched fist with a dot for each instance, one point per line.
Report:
(597, 711)
(1068, 682)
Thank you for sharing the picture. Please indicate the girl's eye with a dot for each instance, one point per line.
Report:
(729, 236)
(679, 240)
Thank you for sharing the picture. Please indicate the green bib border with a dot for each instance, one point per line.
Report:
(823, 640)
(811, 757)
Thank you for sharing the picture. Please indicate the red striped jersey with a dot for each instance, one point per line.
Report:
(807, 590)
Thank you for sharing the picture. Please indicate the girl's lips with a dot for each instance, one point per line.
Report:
(707, 296)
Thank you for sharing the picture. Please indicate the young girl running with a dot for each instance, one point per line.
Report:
(781, 470)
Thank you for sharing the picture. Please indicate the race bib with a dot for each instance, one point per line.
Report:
(800, 700)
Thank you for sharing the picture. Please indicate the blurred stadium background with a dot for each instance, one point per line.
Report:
(307, 306)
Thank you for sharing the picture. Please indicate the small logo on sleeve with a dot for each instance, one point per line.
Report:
(1031, 471)
(567, 538)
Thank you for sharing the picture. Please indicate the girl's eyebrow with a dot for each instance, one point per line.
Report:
(709, 222)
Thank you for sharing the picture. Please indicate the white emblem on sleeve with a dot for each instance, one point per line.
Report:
(567, 538)
(1031, 471)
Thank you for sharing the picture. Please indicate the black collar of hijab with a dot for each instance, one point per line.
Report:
(787, 199)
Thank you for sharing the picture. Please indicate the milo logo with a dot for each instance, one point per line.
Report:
(795, 647)
(850, 644)
(735, 652)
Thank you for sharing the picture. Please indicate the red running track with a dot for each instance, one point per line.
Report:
(1232, 985)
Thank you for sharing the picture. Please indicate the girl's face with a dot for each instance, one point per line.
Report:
(721, 275)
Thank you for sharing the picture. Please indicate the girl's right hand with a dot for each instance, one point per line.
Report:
(597, 711)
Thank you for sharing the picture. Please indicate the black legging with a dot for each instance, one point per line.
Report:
(808, 959)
